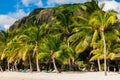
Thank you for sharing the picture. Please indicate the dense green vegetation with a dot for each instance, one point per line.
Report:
(75, 36)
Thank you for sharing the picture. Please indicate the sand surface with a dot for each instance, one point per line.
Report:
(59, 76)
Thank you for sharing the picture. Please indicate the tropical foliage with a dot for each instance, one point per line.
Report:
(76, 36)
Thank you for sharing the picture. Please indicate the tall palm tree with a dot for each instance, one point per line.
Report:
(92, 27)
(54, 44)
(35, 34)
(50, 50)
(82, 30)
(65, 20)
(102, 21)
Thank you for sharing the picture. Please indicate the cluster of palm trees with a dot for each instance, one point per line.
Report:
(70, 40)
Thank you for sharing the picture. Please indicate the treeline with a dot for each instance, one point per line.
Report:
(76, 36)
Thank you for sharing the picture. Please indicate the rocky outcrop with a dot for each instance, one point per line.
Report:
(44, 15)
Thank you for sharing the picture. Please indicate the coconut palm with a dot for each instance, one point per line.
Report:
(102, 21)
(82, 30)
(35, 34)
(2, 45)
(15, 50)
(93, 26)
(92, 6)
(4, 39)
(97, 44)
(65, 20)
(48, 48)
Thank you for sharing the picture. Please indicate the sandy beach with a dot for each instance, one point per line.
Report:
(59, 76)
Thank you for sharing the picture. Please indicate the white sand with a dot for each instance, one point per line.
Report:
(59, 76)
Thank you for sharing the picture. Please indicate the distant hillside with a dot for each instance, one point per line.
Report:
(44, 15)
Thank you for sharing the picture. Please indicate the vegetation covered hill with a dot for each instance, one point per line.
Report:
(65, 37)
(44, 15)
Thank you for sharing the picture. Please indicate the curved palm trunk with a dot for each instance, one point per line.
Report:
(37, 61)
(70, 64)
(69, 59)
(30, 63)
(37, 64)
(15, 64)
(54, 64)
(105, 62)
(99, 67)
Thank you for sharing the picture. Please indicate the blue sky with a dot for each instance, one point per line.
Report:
(12, 10)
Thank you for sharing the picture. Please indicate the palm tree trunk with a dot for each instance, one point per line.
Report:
(1, 68)
(30, 63)
(70, 64)
(99, 67)
(49, 64)
(91, 67)
(15, 64)
(37, 61)
(105, 62)
(37, 64)
(54, 64)
(8, 65)
(69, 60)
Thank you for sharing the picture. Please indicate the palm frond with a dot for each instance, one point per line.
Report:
(83, 45)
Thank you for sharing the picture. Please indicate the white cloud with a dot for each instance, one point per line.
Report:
(35, 2)
(52, 2)
(7, 20)
(18, 14)
(26, 2)
(39, 3)
(111, 5)
(79, 1)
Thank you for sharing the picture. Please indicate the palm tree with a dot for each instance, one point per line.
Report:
(35, 34)
(15, 50)
(92, 27)
(82, 30)
(64, 19)
(1, 46)
(4, 39)
(54, 43)
(91, 6)
(102, 21)
(97, 51)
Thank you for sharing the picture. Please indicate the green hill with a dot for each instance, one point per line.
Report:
(44, 15)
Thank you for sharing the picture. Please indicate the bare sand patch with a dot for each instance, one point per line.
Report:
(59, 76)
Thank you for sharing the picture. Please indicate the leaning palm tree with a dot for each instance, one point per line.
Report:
(15, 50)
(53, 43)
(64, 18)
(32, 32)
(2, 46)
(4, 39)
